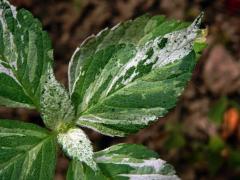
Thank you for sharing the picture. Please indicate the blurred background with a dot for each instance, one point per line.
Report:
(201, 136)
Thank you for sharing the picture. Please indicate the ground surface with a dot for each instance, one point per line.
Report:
(186, 137)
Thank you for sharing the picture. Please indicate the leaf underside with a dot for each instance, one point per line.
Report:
(76, 144)
(128, 76)
(27, 152)
(56, 106)
(122, 162)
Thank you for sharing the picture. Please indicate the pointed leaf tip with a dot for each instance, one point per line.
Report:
(128, 76)
(198, 20)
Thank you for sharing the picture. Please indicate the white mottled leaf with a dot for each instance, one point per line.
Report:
(25, 52)
(123, 162)
(25, 151)
(124, 78)
(56, 106)
(77, 145)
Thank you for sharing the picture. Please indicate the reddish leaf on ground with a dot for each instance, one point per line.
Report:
(230, 123)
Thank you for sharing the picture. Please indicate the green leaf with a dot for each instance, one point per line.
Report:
(12, 93)
(76, 144)
(80, 171)
(56, 105)
(216, 144)
(124, 161)
(126, 77)
(234, 158)
(27, 151)
(214, 157)
(25, 54)
(217, 111)
(175, 138)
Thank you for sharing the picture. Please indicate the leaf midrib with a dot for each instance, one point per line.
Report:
(28, 94)
(107, 97)
(94, 52)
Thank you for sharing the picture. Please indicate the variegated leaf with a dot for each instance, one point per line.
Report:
(26, 151)
(25, 53)
(56, 106)
(126, 77)
(77, 145)
(123, 162)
